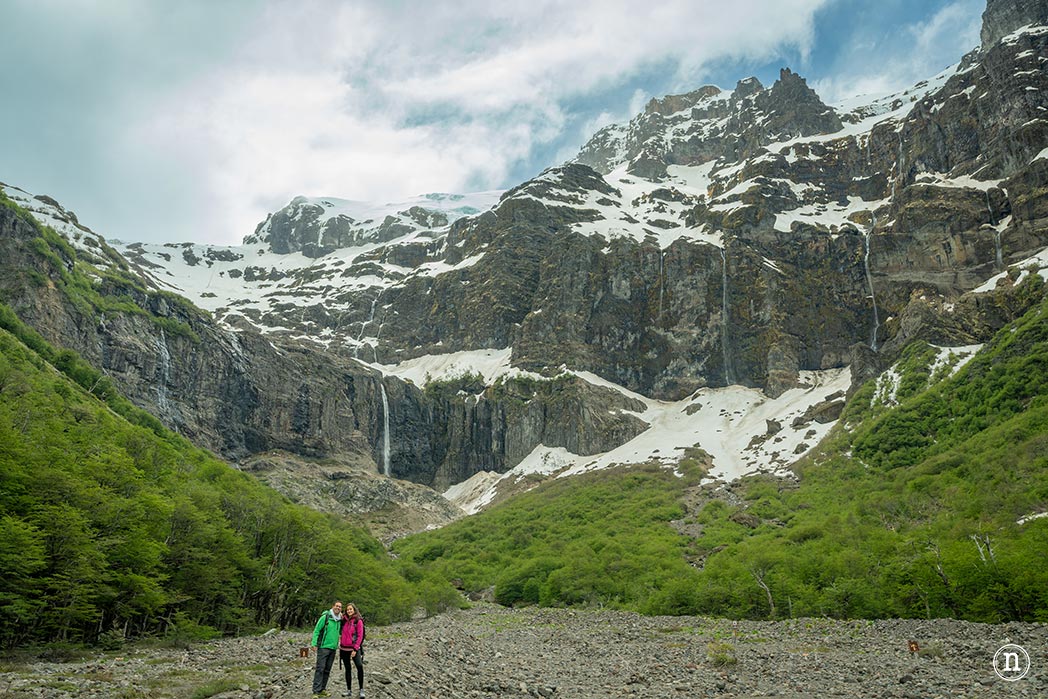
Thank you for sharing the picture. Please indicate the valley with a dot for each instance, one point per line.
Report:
(746, 356)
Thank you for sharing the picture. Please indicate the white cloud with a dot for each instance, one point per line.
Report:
(909, 55)
(379, 101)
(368, 99)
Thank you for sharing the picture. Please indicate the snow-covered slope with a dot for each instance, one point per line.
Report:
(742, 429)
(253, 283)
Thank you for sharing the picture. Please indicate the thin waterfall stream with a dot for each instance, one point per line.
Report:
(869, 283)
(164, 371)
(385, 430)
(996, 234)
(729, 372)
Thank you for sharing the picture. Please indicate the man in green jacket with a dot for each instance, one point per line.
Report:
(325, 640)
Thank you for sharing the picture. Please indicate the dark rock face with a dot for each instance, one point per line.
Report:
(242, 394)
(1002, 17)
(495, 430)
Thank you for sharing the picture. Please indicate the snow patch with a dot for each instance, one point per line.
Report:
(730, 424)
(1038, 263)
(491, 364)
(482, 488)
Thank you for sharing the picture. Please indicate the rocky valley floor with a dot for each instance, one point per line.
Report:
(488, 652)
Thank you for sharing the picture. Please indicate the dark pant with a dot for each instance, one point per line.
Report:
(357, 660)
(325, 659)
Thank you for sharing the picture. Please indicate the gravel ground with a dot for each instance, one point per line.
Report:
(488, 652)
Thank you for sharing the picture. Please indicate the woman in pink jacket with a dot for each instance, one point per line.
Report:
(350, 647)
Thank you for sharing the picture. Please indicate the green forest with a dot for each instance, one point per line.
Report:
(113, 527)
(909, 510)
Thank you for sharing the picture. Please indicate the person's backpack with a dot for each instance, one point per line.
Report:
(323, 629)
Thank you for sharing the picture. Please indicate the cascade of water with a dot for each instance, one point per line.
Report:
(662, 279)
(729, 373)
(385, 431)
(996, 234)
(869, 282)
(164, 371)
(371, 317)
(374, 347)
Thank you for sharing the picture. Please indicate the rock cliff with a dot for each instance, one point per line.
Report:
(242, 394)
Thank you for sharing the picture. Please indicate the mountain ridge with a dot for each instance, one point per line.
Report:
(752, 239)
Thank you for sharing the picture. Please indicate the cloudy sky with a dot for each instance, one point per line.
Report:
(191, 120)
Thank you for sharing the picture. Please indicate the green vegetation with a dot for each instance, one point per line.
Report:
(905, 511)
(112, 526)
(446, 389)
(721, 654)
(97, 290)
(214, 687)
(596, 539)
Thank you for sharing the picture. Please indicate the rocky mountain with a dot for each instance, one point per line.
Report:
(714, 274)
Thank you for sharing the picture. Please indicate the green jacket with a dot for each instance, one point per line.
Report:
(327, 630)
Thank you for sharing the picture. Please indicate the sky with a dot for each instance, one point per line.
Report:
(190, 121)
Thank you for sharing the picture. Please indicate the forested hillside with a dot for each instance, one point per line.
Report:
(927, 500)
(113, 526)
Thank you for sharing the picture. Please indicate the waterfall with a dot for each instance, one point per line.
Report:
(385, 430)
(869, 282)
(163, 371)
(371, 317)
(996, 234)
(374, 347)
(729, 373)
(662, 279)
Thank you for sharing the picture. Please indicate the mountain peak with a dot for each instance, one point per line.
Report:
(671, 104)
(796, 109)
(791, 87)
(746, 87)
(316, 226)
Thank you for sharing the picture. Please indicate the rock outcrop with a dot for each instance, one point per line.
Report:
(1002, 17)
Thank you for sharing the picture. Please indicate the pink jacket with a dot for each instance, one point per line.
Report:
(352, 634)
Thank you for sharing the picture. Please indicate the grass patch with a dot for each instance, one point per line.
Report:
(721, 655)
(216, 687)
